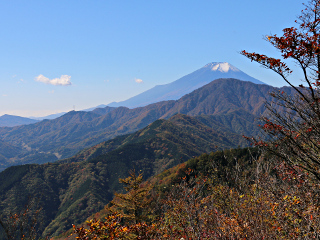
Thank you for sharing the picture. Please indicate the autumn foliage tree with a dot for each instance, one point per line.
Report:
(127, 214)
(109, 228)
(133, 204)
(293, 132)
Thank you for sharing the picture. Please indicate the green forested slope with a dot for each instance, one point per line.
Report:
(71, 190)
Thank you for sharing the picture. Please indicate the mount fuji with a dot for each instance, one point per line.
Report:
(186, 84)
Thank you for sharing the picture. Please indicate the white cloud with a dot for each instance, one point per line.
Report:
(4, 95)
(138, 80)
(64, 80)
(52, 92)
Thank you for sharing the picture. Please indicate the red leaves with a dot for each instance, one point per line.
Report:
(261, 143)
(297, 44)
(272, 63)
(316, 83)
(272, 127)
(309, 129)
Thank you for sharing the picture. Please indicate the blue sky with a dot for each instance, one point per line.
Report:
(59, 54)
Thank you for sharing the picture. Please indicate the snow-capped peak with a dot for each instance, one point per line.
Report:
(221, 67)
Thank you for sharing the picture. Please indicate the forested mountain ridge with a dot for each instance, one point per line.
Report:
(50, 140)
(194, 132)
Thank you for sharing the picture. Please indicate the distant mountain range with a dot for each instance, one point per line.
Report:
(235, 103)
(51, 116)
(186, 84)
(171, 91)
(12, 121)
(56, 115)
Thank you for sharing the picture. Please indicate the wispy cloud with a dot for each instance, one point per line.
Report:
(4, 95)
(64, 80)
(52, 92)
(138, 80)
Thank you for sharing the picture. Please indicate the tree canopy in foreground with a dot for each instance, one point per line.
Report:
(294, 135)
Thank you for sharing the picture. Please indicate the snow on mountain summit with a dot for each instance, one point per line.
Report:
(186, 84)
(221, 67)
